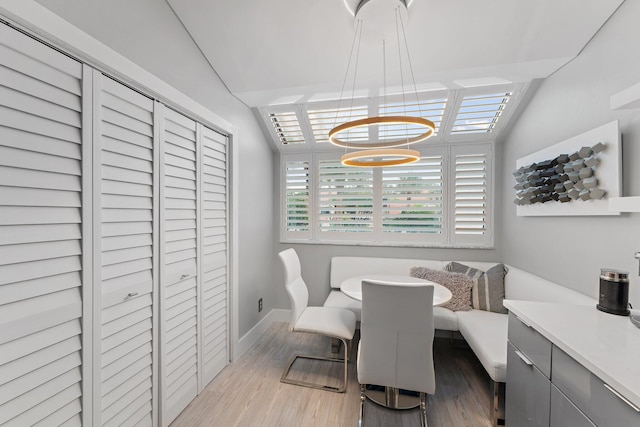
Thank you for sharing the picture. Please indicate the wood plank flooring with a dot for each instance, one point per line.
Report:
(249, 393)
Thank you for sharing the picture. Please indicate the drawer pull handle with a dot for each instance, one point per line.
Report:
(131, 295)
(524, 358)
(184, 276)
(621, 397)
(524, 323)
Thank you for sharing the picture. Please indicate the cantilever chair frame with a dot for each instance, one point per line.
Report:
(298, 296)
(295, 357)
(389, 396)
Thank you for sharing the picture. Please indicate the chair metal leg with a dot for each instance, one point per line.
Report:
(363, 396)
(335, 345)
(423, 409)
(494, 409)
(340, 389)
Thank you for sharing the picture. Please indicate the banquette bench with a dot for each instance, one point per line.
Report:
(484, 331)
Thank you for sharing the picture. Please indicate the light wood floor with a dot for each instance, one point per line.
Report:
(249, 393)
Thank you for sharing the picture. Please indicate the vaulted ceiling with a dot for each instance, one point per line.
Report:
(279, 51)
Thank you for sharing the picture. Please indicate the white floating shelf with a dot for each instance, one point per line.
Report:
(624, 204)
(628, 98)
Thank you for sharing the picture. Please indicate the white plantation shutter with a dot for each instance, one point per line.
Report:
(124, 132)
(345, 200)
(442, 200)
(286, 127)
(296, 210)
(41, 247)
(322, 120)
(213, 265)
(471, 172)
(480, 113)
(430, 109)
(412, 200)
(179, 278)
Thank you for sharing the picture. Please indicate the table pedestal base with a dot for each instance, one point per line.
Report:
(393, 398)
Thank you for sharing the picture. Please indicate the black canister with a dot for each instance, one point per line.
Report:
(614, 292)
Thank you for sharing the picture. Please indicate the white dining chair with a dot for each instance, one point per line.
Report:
(396, 340)
(332, 322)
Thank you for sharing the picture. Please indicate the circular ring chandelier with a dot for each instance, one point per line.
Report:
(381, 151)
(389, 120)
(388, 156)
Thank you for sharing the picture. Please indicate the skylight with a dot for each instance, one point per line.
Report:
(480, 113)
(432, 109)
(460, 115)
(322, 120)
(287, 128)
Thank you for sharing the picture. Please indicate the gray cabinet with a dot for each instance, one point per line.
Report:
(599, 401)
(547, 387)
(564, 413)
(528, 387)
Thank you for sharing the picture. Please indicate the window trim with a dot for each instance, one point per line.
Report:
(448, 238)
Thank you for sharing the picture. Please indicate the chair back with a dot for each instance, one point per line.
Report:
(296, 288)
(396, 341)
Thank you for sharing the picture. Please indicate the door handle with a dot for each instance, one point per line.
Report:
(524, 323)
(524, 358)
(621, 397)
(131, 295)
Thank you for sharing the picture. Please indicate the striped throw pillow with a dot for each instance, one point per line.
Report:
(488, 286)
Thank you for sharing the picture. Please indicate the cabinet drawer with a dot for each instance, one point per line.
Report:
(528, 392)
(564, 413)
(590, 394)
(531, 343)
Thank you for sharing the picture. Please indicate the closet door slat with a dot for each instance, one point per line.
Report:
(179, 281)
(40, 233)
(125, 123)
(214, 255)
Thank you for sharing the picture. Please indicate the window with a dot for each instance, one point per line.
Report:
(345, 200)
(443, 200)
(412, 198)
(480, 113)
(432, 109)
(322, 120)
(286, 127)
(477, 113)
(296, 206)
(471, 170)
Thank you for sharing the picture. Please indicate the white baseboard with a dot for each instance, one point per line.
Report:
(250, 338)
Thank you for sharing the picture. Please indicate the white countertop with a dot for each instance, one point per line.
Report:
(606, 344)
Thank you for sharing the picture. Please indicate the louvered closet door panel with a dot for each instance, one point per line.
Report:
(125, 151)
(40, 234)
(214, 254)
(179, 353)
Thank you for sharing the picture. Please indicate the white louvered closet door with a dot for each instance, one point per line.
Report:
(124, 158)
(214, 325)
(179, 268)
(41, 247)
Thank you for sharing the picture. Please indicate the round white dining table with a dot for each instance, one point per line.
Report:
(352, 286)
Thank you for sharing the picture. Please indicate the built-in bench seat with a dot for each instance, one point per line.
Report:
(485, 332)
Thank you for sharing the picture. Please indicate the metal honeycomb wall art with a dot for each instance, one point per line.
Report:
(563, 179)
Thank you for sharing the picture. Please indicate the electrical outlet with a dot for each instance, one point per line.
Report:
(259, 305)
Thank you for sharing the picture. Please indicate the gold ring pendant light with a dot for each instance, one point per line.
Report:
(385, 152)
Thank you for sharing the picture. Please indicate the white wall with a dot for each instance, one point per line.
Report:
(571, 250)
(148, 33)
